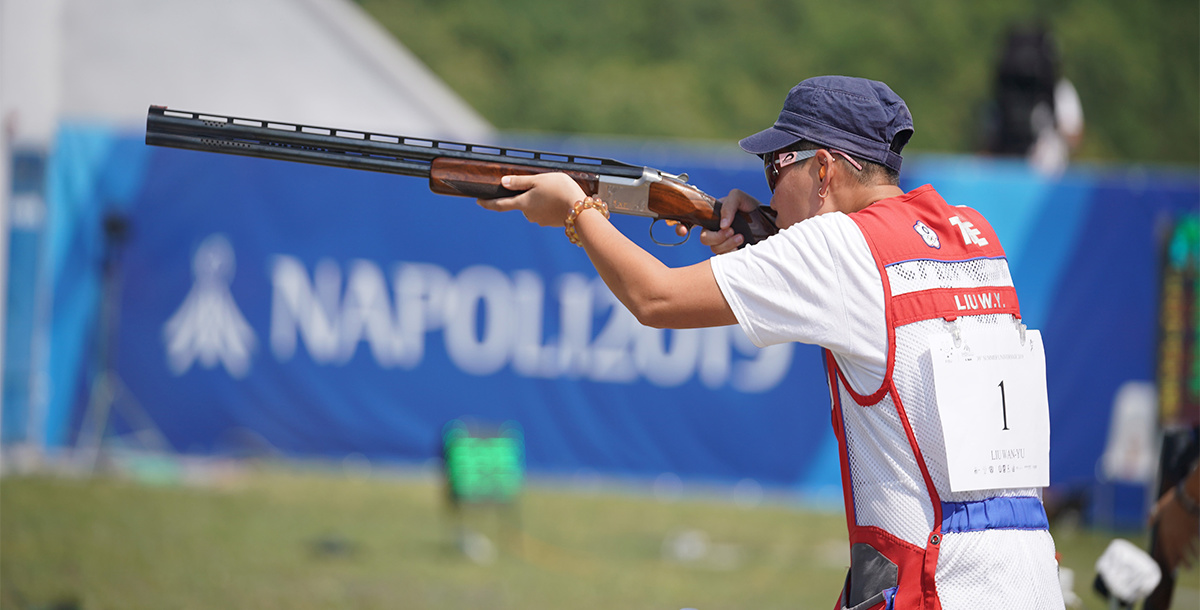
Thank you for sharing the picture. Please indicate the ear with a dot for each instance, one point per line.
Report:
(826, 160)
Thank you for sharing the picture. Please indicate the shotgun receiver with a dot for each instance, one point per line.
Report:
(454, 168)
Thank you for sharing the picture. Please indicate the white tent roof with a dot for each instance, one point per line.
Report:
(315, 62)
(321, 62)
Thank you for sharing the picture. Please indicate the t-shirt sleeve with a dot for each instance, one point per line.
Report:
(815, 282)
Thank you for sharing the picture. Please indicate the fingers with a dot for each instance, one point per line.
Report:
(729, 208)
(736, 201)
(521, 183)
(725, 240)
(504, 204)
(722, 241)
(546, 199)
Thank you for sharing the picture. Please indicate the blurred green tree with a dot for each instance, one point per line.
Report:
(719, 69)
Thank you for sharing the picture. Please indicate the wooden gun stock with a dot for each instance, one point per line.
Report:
(671, 200)
(668, 198)
(481, 179)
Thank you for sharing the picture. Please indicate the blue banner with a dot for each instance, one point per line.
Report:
(325, 312)
(317, 311)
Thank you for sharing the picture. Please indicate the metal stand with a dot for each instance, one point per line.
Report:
(108, 393)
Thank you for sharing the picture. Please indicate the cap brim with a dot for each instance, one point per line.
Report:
(768, 140)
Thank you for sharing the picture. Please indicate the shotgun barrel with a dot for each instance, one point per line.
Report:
(452, 168)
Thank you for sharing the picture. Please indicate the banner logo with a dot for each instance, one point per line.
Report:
(489, 320)
(208, 326)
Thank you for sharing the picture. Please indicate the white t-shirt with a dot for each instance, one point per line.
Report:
(814, 282)
(817, 282)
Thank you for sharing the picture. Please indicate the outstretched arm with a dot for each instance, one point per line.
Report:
(657, 295)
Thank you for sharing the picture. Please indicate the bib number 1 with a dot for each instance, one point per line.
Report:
(995, 414)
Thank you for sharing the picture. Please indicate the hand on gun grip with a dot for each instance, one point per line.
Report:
(725, 239)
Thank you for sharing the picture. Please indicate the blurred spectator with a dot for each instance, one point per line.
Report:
(1036, 113)
(1175, 518)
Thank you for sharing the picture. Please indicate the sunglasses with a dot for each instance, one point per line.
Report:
(773, 162)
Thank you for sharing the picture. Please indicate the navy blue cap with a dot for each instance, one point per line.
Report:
(864, 118)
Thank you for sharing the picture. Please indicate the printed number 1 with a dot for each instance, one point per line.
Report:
(1003, 405)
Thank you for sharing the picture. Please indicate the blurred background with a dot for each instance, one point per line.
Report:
(234, 382)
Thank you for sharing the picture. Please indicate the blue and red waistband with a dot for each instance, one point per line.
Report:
(1009, 513)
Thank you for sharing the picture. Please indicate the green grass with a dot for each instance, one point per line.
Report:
(254, 540)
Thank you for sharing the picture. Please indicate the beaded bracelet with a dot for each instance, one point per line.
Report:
(580, 206)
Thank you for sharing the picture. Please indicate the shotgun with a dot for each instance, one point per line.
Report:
(455, 168)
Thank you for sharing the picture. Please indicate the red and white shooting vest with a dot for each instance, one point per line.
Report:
(914, 543)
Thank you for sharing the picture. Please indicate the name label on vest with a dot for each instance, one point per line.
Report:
(951, 303)
(995, 413)
(971, 301)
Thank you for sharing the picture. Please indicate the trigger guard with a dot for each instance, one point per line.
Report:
(663, 243)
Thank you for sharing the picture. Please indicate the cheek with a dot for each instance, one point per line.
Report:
(794, 203)
(789, 210)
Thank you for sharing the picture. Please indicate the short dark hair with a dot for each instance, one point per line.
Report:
(872, 173)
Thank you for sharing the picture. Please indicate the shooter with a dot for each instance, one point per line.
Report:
(878, 277)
